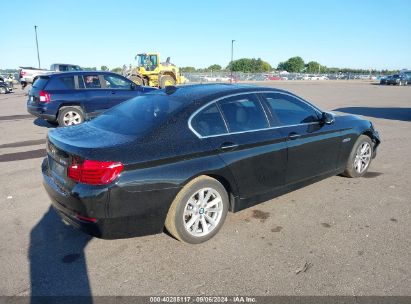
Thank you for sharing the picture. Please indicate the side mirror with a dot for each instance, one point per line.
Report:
(132, 86)
(327, 118)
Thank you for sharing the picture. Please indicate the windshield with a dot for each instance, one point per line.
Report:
(138, 115)
(148, 61)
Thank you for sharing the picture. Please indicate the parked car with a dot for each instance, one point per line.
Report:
(383, 80)
(5, 87)
(72, 97)
(397, 79)
(182, 157)
(407, 75)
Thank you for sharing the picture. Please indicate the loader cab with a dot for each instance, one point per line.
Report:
(148, 61)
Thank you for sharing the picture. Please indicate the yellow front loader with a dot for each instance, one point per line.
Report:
(150, 71)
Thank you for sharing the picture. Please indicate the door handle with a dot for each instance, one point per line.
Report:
(293, 135)
(228, 146)
(113, 92)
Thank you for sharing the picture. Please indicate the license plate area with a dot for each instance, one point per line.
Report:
(56, 168)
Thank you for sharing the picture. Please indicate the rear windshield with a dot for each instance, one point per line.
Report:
(139, 114)
(41, 82)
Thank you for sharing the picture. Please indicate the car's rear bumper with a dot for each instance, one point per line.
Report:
(109, 213)
(41, 112)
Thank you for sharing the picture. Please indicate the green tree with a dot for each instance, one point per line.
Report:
(248, 65)
(313, 67)
(215, 67)
(104, 68)
(292, 65)
(188, 69)
(117, 70)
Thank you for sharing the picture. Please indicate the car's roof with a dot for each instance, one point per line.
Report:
(209, 91)
(72, 73)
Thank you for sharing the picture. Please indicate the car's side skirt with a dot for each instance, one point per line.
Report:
(243, 203)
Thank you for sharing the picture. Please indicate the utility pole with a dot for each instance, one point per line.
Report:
(37, 44)
(232, 57)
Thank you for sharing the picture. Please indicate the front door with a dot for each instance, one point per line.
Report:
(312, 147)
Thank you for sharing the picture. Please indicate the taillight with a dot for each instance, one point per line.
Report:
(44, 96)
(22, 73)
(85, 218)
(94, 172)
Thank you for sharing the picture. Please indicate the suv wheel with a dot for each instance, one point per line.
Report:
(69, 116)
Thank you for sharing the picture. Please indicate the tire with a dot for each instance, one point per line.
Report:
(70, 116)
(166, 81)
(3, 90)
(187, 213)
(137, 80)
(352, 168)
(52, 122)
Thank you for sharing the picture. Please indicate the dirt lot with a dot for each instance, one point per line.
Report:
(354, 234)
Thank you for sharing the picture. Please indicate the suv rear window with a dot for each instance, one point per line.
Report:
(41, 82)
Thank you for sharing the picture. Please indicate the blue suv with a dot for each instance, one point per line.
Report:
(73, 97)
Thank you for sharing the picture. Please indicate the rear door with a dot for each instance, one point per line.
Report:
(119, 89)
(312, 147)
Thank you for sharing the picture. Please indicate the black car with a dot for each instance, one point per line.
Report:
(72, 97)
(182, 157)
(5, 87)
(397, 79)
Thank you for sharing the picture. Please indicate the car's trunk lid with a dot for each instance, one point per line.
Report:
(83, 141)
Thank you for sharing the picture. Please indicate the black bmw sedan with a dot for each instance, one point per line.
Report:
(182, 157)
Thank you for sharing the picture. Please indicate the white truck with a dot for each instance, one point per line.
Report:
(28, 75)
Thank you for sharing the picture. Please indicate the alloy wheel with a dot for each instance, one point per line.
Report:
(362, 158)
(71, 118)
(203, 212)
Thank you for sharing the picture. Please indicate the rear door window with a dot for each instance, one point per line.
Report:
(243, 113)
(209, 122)
(91, 82)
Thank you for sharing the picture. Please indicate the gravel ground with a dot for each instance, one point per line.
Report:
(339, 236)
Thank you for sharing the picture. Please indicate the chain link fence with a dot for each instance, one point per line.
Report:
(205, 77)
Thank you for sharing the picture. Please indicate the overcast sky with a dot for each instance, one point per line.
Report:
(358, 34)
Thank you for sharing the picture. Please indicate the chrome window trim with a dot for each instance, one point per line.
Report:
(318, 111)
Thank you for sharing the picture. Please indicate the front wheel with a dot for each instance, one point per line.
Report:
(137, 80)
(360, 157)
(69, 116)
(3, 90)
(166, 81)
(198, 211)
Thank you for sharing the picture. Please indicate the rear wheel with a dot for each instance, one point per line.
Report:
(360, 157)
(69, 116)
(166, 81)
(198, 211)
